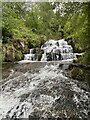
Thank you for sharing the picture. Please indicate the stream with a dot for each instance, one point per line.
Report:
(42, 90)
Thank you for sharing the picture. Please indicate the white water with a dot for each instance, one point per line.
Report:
(58, 49)
(28, 92)
(30, 56)
(54, 50)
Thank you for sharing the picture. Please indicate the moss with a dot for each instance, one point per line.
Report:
(77, 73)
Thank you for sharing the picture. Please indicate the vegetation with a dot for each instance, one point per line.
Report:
(79, 72)
(27, 25)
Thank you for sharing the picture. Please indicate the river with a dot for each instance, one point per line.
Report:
(42, 90)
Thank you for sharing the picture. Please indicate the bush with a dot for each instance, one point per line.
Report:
(18, 55)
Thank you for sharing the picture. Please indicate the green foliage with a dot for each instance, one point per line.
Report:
(18, 55)
(34, 40)
(35, 23)
(85, 58)
(77, 27)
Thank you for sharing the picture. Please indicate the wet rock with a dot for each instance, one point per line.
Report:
(17, 107)
(24, 96)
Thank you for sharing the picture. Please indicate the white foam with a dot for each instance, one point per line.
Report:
(54, 46)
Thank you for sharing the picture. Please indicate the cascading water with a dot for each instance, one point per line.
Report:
(30, 56)
(54, 50)
(57, 50)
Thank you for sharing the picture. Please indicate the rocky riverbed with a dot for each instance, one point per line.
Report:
(43, 90)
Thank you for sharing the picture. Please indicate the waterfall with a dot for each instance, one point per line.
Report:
(30, 56)
(57, 50)
(53, 50)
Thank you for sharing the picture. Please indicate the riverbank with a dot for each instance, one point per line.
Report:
(80, 72)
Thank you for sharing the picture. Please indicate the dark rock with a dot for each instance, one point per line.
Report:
(17, 107)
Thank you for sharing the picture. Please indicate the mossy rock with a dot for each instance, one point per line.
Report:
(77, 73)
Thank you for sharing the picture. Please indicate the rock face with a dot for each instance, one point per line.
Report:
(57, 50)
(15, 51)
